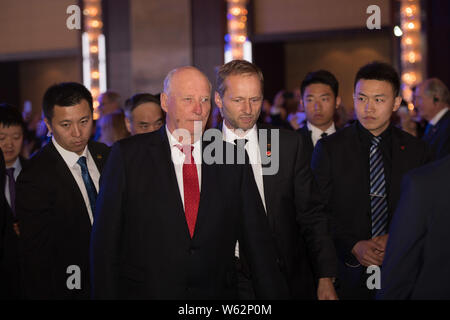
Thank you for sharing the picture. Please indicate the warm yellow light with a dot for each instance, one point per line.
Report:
(235, 11)
(408, 41)
(410, 25)
(96, 104)
(409, 77)
(94, 49)
(412, 57)
(241, 39)
(90, 11)
(95, 92)
(410, 106)
(95, 75)
(243, 18)
(408, 11)
(96, 24)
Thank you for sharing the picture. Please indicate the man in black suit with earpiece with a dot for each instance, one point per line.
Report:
(432, 99)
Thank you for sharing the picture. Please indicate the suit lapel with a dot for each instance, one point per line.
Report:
(96, 155)
(399, 167)
(67, 179)
(353, 144)
(169, 172)
(269, 181)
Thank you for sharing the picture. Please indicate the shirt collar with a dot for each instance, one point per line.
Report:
(438, 116)
(174, 142)
(16, 165)
(69, 157)
(316, 131)
(229, 135)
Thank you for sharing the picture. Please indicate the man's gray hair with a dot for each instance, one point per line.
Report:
(435, 88)
(168, 79)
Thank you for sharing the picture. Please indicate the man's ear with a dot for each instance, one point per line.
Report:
(397, 102)
(164, 99)
(338, 102)
(218, 100)
(49, 126)
(128, 124)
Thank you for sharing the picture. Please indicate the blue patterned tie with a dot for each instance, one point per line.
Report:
(378, 202)
(89, 184)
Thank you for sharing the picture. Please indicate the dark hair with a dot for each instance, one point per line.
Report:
(65, 94)
(379, 71)
(236, 67)
(320, 76)
(11, 116)
(138, 99)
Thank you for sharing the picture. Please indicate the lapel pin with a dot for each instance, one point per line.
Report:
(268, 153)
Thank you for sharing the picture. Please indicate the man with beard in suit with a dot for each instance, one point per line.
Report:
(55, 199)
(298, 224)
(167, 220)
(359, 170)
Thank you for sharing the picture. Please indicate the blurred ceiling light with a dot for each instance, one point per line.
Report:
(398, 31)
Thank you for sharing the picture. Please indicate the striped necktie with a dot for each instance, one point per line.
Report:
(378, 201)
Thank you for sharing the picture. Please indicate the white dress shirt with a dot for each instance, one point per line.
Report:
(71, 158)
(316, 133)
(438, 116)
(17, 168)
(253, 151)
(178, 161)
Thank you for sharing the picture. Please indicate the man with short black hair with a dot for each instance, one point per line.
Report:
(143, 113)
(12, 129)
(56, 197)
(319, 99)
(359, 170)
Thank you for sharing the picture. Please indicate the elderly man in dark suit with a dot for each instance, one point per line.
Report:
(417, 261)
(432, 99)
(167, 220)
(298, 224)
(359, 170)
(56, 196)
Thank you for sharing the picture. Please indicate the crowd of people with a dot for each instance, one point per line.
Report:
(127, 207)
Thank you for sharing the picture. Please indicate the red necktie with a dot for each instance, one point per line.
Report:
(190, 187)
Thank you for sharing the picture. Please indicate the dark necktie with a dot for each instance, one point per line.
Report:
(324, 134)
(190, 187)
(378, 201)
(88, 183)
(12, 189)
(240, 157)
(429, 130)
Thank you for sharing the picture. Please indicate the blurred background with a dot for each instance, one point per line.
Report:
(130, 45)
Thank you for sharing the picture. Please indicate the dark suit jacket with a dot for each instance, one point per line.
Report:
(417, 261)
(3, 211)
(296, 218)
(344, 184)
(141, 247)
(306, 137)
(439, 137)
(54, 225)
(9, 267)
